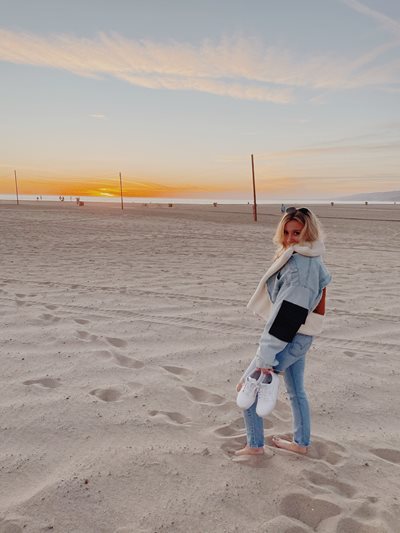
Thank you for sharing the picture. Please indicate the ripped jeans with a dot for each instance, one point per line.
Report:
(291, 360)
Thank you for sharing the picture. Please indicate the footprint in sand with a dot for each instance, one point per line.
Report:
(102, 354)
(118, 343)
(171, 417)
(349, 353)
(128, 362)
(45, 319)
(234, 429)
(311, 511)
(48, 383)
(81, 321)
(229, 407)
(51, 307)
(107, 395)
(283, 524)
(86, 336)
(236, 443)
(328, 451)
(330, 484)
(393, 456)
(49, 318)
(178, 371)
(203, 396)
(135, 386)
(365, 511)
(350, 525)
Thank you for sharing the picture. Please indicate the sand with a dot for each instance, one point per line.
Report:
(122, 338)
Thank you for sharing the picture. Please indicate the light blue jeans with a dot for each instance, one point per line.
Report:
(291, 360)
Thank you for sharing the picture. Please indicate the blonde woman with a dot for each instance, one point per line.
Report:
(291, 298)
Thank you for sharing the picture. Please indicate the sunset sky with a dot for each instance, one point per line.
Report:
(176, 95)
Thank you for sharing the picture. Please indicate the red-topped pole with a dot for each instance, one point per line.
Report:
(254, 190)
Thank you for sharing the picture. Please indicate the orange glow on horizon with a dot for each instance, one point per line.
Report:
(107, 188)
(277, 185)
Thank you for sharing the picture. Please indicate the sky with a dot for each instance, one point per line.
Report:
(177, 94)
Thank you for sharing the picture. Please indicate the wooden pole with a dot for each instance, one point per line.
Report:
(120, 185)
(254, 190)
(16, 185)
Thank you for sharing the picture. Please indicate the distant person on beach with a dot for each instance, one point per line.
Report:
(291, 299)
(283, 208)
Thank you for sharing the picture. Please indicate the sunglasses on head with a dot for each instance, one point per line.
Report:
(294, 210)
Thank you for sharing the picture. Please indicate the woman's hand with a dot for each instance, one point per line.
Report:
(267, 370)
(239, 386)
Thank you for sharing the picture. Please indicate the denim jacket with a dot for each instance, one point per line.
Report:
(300, 282)
(286, 298)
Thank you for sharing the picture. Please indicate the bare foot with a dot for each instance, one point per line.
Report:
(288, 445)
(250, 451)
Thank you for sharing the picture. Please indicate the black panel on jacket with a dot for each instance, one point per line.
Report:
(288, 321)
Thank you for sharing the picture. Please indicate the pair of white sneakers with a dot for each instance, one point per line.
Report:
(264, 389)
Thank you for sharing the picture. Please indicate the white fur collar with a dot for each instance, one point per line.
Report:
(259, 303)
(309, 249)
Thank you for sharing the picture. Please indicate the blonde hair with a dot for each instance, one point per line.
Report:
(312, 229)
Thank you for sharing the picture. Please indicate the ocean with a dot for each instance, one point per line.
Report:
(199, 201)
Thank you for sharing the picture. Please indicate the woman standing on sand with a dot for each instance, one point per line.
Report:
(291, 298)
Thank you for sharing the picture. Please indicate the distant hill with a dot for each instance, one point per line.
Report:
(387, 196)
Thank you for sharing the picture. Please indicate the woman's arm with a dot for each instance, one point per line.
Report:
(289, 312)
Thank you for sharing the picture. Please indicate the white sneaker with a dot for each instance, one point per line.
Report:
(247, 394)
(267, 396)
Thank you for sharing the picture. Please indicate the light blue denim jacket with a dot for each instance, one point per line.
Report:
(300, 281)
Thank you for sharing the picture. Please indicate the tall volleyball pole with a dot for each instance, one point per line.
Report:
(120, 185)
(16, 186)
(254, 190)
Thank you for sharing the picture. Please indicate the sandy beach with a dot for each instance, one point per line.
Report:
(123, 335)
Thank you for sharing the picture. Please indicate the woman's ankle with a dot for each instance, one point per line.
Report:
(249, 450)
(292, 446)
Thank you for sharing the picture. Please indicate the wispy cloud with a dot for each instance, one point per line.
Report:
(383, 20)
(222, 88)
(221, 69)
(351, 148)
(240, 68)
(369, 143)
(368, 148)
(97, 115)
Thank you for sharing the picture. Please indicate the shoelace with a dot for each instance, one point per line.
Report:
(264, 391)
(250, 385)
